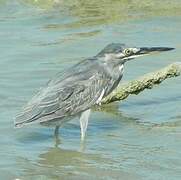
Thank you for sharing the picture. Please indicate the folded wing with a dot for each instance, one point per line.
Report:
(65, 97)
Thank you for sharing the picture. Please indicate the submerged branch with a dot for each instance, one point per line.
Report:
(144, 82)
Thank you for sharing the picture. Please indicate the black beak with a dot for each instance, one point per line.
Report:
(146, 50)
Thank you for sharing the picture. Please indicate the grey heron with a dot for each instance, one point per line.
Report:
(75, 91)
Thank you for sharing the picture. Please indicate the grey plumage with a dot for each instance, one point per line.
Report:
(79, 88)
(68, 94)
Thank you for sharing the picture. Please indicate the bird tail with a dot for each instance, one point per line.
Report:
(18, 124)
(25, 119)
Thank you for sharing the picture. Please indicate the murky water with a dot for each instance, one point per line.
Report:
(137, 139)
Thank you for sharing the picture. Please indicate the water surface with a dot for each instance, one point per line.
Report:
(136, 139)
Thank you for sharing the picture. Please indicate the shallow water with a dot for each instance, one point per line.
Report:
(136, 139)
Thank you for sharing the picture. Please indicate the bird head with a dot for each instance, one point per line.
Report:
(117, 53)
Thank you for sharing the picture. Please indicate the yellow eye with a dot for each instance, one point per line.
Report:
(127, 52)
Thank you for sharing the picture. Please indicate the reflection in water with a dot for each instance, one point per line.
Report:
(53, 164)
(114, 110)
(59, 157)
(58, 163)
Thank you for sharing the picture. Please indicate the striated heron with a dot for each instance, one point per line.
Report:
(73, 92)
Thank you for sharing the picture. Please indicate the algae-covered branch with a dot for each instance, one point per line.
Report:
(147, 81)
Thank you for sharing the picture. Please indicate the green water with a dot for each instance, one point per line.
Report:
(137, 139)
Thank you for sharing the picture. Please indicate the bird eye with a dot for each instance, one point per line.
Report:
(127, 52)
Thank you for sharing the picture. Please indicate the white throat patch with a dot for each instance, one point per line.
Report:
(121, 67)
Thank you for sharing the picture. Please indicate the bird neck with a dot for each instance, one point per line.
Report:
(113, 65)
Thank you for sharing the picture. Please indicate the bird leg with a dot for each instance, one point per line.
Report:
(84, 118)
(56, 135)
(56, 132)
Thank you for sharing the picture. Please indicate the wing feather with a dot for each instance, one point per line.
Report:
(68, 97)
